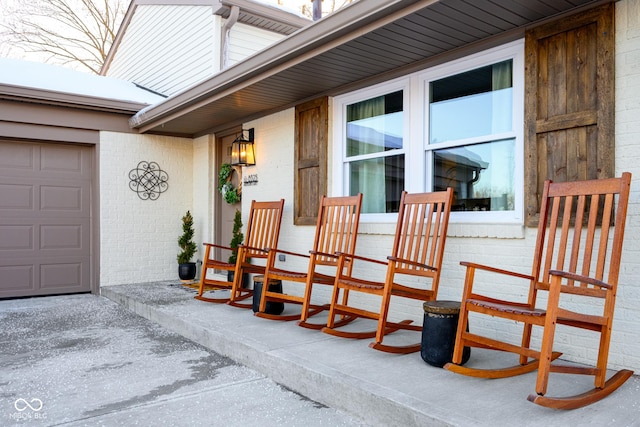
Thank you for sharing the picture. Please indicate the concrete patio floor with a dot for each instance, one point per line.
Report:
(378, 388)
(89, 361)
(83, 360)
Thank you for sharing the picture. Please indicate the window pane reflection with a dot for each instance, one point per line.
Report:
(375, 125)
(482, 175)
(471, 104)
(380, 180)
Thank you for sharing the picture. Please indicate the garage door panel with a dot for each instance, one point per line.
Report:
(61, 275)
(16, 196)
(59, 198)
(67, 198)
(56, 236)
(45, 219)
(65, 161)
(15, 278)
(17, 157)
(15, 237)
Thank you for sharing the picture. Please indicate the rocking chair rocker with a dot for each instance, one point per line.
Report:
(576, 262)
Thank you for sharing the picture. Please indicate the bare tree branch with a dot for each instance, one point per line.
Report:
(78, 33)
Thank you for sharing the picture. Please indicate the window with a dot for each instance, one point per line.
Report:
(375, 159)
(471, 113)
(454, 125)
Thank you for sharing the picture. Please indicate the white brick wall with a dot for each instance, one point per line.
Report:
(514, 246)
(625, 345)
(204, 187)
(274, 167)
(138, 238)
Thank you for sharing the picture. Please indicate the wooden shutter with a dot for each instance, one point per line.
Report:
(310, 159)
(569, 102)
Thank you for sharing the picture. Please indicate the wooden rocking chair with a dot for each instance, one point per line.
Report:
(336, 231)
(263, 229)
(577, 258)
(418, 249)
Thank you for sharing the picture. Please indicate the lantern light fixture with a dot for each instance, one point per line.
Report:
(242, 150)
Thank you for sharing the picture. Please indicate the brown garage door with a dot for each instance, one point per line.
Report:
(45, 219)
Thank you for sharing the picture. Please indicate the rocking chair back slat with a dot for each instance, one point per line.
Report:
(263, 229)
(421, 238)
(417, 253)
(336, 231)
(578, 252)
(578, 238)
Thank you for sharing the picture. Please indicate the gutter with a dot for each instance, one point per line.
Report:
(321, 36)
(63, 99)
(269, 12)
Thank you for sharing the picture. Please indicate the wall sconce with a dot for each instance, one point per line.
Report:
(242, 152)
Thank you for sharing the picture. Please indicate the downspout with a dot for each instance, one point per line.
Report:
(226, 30)
(317, 9)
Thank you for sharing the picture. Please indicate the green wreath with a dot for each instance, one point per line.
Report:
(230, 194)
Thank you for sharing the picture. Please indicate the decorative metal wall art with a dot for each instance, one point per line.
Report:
(148, 180)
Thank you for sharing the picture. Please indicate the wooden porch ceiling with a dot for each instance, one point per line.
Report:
(362, 44)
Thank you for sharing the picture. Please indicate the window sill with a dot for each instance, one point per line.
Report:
(499, 231)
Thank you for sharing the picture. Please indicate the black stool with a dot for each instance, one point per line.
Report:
(439, 333)
(274, 286)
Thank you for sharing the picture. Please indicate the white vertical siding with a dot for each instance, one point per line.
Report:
(168, 48)
(245, 40)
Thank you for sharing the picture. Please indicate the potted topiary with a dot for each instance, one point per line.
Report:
(236, 240)
(186, 268)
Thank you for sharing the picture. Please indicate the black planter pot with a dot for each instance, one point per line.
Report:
(245, 278)
(439, 333)
(187, 271)
(272, 307)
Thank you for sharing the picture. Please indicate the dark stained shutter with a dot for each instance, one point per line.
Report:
(569, 102)
(311, 128)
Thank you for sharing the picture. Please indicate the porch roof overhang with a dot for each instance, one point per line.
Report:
(362, 44)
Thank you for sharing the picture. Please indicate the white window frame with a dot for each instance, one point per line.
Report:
(416, 147)
(341, 169)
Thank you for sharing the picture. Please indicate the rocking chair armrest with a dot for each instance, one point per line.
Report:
(580, 278)
(410, 262)
(282, 251)
(361, 258)
(325, 254)
(496, 270)
(252, 248)
(217, 246)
